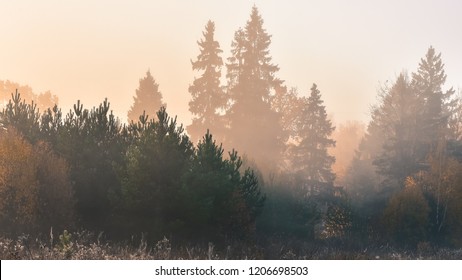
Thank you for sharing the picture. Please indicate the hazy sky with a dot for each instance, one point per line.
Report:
(90, 50)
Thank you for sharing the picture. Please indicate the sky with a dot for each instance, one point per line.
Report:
(92, 50)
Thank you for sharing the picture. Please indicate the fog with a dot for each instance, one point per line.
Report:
(94, 51)
(325, 122)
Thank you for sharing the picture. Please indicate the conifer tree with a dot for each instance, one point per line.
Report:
(151, 186)
(148, 99)
(438, 105)
(207, 95)
(310, 156)
(398, 116)
(224, 200)
(254, 127)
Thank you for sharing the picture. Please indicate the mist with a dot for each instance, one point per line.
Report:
(260, 129)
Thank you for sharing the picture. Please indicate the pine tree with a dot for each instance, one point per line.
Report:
(224, 201)
(207, 95)
(254, 127)
(151, 176)
(148, 99)
(310, 156)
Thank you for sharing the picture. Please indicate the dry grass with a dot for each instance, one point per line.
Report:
(87, 246)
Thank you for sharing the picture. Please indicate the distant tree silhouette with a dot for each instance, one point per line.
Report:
(398, 116)
(311, 159)
(43, 101)
(255, 127)
(347, 137)
(207, 95)
(437, 105)
(147, 99)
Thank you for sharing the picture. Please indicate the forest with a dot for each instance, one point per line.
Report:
(261, 172)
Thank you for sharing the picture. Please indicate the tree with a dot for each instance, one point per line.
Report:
(438, 105)
(406, 137)
(147, 99)
(441, 184)
(90, 140)
(225, 201)
(310, 155)
(151, 177)
(407, 215)
(347, 138)
(21, 115)
(255, 127)
(43, 101)
(288, 213)
(207, 95)
(18, 185)
(286, 104)
(398, 117)
(35, 188)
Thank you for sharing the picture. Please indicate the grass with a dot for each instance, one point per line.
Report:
(84, 245)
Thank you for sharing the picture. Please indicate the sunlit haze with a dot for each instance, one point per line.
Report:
(90, 50)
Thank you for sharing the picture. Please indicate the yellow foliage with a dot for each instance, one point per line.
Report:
(407, 214)
(35, 189)
(18, 184)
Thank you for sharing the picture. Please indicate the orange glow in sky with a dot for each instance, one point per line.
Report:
(90, 50)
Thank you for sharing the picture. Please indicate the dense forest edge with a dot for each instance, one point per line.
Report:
(256, 175)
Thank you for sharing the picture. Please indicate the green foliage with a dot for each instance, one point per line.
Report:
(87, 168)
(65, 244)
(224, 201)
(24, 117)
(91, 142)
(151, 176)
(288, 214)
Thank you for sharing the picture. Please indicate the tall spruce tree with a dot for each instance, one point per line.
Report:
(438, 105)
(148, 99)
(254, 127)
(310, 156)
(207, 95)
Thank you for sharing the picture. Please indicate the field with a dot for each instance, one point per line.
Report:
(87, 246)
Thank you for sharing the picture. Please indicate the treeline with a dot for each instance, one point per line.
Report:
(148, 176)
(406, 178)
(87, 169)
